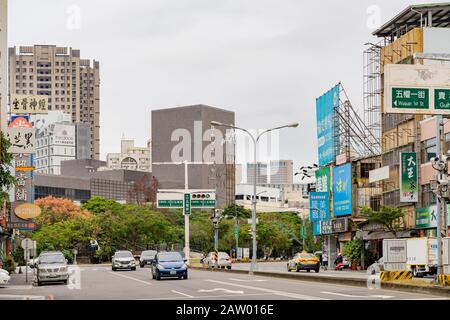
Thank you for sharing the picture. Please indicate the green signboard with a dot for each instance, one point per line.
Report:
(408, 177)
(187, 204)
(442, 99)
(323, 180)
(410, 98)
(203, 203)
(170, 204)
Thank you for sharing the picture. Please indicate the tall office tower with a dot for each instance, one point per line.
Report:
(71, 83)
(282, 172)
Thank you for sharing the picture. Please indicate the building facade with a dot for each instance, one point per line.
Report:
(261, 173)
(71, 83)
(60, 142)
(282, 172)
(131, 157)
(185, 134)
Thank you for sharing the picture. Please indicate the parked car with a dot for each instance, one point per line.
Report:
(376, 267)
(147, 258)
(223, 262)
(4, 277)
(169, 265)
(304, 261)
(51, 267)
(123, 259)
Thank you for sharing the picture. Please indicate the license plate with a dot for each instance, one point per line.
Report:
(149, 262)
(53, 276)
(173, 272)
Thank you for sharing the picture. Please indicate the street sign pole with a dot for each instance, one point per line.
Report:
(439, 202)
(186, 216)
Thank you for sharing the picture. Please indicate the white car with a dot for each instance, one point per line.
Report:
(224, 260)
(4, 277)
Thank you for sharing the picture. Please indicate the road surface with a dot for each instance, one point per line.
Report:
(100, 282)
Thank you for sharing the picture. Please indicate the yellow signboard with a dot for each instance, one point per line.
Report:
(27, 211)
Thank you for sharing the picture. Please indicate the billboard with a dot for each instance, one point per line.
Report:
(409, 180)
(23, 140)
(29, 104)
(319, 206)
(326, 125)
(417, 89)
(323, 177)
(342, 190)
(64, 135)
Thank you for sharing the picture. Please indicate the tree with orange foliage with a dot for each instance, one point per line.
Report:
(57, 209)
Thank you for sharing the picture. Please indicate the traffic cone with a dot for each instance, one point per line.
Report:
(20, 270)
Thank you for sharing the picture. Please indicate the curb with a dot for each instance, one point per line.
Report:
(434, 290)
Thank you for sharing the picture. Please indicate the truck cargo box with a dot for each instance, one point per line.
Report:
(394, 250)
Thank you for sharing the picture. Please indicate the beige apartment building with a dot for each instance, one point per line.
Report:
(71, 83)
(131, 157)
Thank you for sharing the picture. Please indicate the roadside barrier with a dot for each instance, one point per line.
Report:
(386, 276)
(444, 280)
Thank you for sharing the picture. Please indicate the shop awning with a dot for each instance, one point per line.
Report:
(380, 235)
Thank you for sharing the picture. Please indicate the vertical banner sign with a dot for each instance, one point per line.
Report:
(323, 180)
(342, 190)
(327, 125)
(319, 207)
(317, 228)
(187, 204)
(408, 177)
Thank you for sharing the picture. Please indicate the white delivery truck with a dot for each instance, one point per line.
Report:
(421, 256)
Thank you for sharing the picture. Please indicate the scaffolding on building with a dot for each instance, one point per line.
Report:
(352, 136)
(372, 89)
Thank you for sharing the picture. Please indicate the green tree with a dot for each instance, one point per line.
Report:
(7, 181)
(97, 205)
(232, 210)
(352, 250)
(390, 217)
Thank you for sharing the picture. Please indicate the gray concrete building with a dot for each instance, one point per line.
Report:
(282, 172)
(71, 83)
(184, 134)
(261, 173)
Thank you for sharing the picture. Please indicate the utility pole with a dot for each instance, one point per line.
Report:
(217, 216)
(187, 251)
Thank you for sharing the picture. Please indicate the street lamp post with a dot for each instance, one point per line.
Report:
(255, 140)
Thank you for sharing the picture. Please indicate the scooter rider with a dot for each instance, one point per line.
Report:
(339, 260)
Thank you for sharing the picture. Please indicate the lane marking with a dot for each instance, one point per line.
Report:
(21, 297)
(131, 278)
(222, 289)
(183, 294)
(17, 287)
(276, 292)
(352, 296)
(217, 296)
(252, 280)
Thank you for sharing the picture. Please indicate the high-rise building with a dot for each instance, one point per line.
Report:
(71, 83)
(282, 172)
(58, 142)
(261, 173)
(3, 62)
(131, 157)
(185, 134)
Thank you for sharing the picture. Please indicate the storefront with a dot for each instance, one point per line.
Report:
(336, 233)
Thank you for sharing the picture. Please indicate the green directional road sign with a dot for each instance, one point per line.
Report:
(170, 204)
(410, 98)
(187, 204)
(203, 203)
(442, 99)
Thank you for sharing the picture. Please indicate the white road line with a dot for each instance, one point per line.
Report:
(222, 289)
(183, 294)
(20, 297)
(17, 287)
(206, 297)
(252, 280)
(131, 278)
(276, 292)
(352, 296)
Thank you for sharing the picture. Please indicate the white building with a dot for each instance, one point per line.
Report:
(131, 157)
(55, 143)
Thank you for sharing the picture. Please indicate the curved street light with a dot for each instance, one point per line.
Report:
(255, 140)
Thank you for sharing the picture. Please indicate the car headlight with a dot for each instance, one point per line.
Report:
(159, 267)
(63, 269)
(42, 271)
(184, 266)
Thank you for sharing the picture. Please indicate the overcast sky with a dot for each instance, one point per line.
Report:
(267, 60)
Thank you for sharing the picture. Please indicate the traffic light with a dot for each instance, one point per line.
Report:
(201, 196)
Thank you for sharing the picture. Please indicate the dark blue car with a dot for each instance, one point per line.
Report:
(169, 265)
